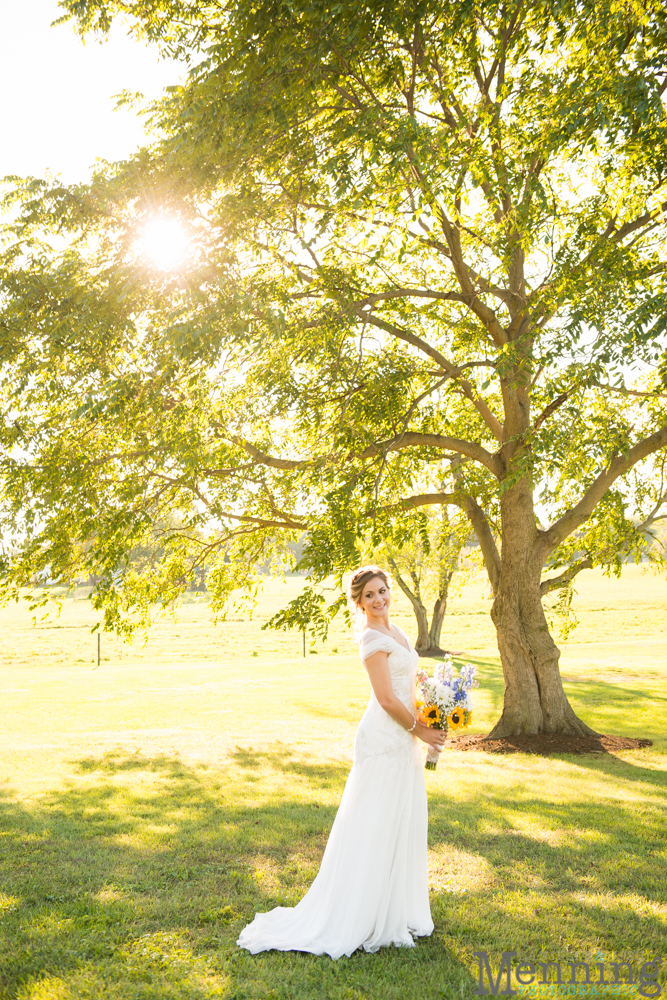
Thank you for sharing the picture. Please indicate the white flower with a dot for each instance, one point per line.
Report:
(440, 689)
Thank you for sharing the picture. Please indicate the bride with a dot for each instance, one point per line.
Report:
(372, 887)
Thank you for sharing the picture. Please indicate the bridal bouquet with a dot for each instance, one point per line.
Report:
(444, 700)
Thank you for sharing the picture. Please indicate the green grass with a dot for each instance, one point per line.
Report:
(150, 806)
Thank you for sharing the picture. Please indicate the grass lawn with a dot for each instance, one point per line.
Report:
(150, 806)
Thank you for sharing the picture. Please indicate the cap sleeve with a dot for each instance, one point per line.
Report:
(373, 642)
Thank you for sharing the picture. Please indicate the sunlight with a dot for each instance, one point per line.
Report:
(165, 243)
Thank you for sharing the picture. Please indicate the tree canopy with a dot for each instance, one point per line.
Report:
(427, 268)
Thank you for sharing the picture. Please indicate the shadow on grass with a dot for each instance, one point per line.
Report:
(325, 775)
(135, 879)
(608, 694)
(615, 767)
(113, 762)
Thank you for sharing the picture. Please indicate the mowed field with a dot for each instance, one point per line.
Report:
(152, 804)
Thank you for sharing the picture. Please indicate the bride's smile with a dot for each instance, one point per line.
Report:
(375, 601)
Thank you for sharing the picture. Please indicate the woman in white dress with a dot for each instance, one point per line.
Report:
(372, 886)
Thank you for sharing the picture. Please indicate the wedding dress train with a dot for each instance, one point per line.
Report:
(372, 886)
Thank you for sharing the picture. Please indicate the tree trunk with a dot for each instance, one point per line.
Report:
(535, 701)
(439, 609)
(422, 626)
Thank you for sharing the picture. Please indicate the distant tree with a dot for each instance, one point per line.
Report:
(423, 569)
(422, 233)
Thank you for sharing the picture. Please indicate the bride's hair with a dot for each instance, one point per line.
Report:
(360, 578)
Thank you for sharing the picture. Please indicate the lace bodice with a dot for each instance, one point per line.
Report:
(378, 733)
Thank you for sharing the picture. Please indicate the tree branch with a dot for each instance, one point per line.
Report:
(565, 525)
(475, 515)
(628, 392)
(551, 407)
(407, 337)
(125, 455)
(638, 223)
(487, 543)
(262, 522)
(416, 439)
(407, 439)
(425, 500)
(474, 303)
(269, 460)
(556, 582)
(405, 293)
(480, 405)
(412, 597)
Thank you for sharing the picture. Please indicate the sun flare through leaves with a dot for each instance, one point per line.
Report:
(165, 244)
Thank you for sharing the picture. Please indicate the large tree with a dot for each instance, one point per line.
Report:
(425, 236)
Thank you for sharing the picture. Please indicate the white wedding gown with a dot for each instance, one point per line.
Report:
(372, 886)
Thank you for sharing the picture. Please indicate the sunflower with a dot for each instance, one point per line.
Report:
(456, 718)
(431, 714)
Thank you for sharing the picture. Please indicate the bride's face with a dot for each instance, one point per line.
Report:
(375, 598)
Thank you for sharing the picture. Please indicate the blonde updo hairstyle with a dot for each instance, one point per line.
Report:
(355, 589)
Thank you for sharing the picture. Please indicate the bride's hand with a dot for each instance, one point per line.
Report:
(433, 737)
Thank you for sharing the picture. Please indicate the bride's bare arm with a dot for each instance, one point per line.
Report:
(378, 672)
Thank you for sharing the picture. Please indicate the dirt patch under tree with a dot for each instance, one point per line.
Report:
(546, 744)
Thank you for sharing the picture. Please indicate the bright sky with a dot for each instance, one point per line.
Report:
(58, 94)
